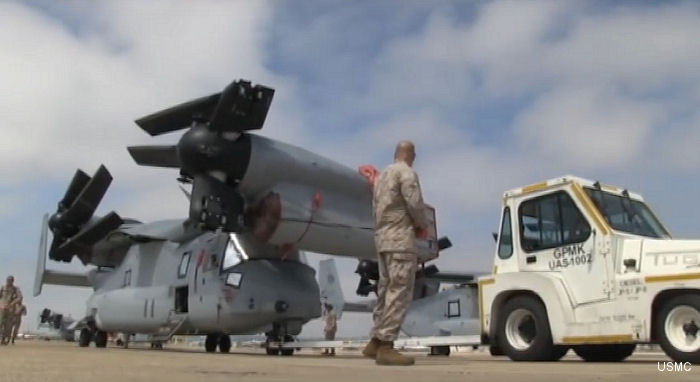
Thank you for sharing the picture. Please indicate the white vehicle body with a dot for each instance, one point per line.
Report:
(602, 277)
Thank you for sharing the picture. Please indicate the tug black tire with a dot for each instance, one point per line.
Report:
(605, 353)
(675, 323)
(523, 331)
(494, 350)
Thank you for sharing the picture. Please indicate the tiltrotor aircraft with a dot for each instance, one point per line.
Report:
(233, 265)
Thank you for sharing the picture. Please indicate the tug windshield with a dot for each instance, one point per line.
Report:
(627, 215)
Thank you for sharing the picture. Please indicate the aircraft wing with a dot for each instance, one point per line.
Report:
(360, 307)
(67, 279)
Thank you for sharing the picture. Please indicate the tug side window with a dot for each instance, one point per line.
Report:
(505, 239)
(551, 221)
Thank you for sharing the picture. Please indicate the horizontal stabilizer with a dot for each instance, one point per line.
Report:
(155, 156)
(431, 272)
(456, 278)
(65, 279)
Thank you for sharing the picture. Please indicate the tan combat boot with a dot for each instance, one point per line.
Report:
(387, 355)
(370, 350)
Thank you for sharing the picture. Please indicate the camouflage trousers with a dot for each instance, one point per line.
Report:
(397, 274)
(6, 320)
(16, 323)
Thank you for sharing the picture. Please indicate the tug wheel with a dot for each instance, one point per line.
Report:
(678, 328)
(605, 353)
(523, 331)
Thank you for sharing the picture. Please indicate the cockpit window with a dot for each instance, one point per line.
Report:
(627, 215)
(234, 253)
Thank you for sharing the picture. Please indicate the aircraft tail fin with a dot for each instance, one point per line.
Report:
(329, 283)
(44, 276)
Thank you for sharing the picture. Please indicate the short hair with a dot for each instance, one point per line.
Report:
(403, 146)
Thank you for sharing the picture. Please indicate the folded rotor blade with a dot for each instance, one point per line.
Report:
(79, 181)
(82, 243)
(179, 116)
(88, 199)
(241, 107)
(157, 156)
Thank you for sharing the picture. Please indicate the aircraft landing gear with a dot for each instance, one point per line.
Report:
(270, 350)
(100, 339)
(157, 345)
(440, 350)
(210, 343)
(223, 341)
(84, 338)
(91, 334)
(287, 351)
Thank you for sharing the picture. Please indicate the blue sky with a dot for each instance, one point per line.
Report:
(495, 94)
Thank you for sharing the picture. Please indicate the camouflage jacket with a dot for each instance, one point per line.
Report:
(398, 209)
(10, 296)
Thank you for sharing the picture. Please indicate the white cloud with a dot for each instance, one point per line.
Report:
(586, 128)
(72, 99)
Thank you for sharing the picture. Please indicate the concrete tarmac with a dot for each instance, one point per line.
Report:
(54, 361)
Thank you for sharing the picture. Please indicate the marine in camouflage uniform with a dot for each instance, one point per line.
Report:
(331, 328)
(10, 298)
(399, 216)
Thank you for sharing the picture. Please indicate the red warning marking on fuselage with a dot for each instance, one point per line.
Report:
(200, 259)
(229, 294)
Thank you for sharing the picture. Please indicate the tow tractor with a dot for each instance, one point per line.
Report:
(578, 265)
